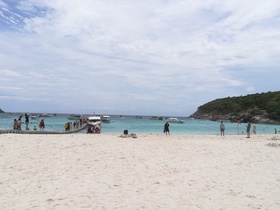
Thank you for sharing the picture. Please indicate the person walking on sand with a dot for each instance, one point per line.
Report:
(166, 128)
(275, 131)
(222, 128)
(248, 128)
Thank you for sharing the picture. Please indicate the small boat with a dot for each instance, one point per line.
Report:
(94, 124)
(105, 118)
(156, 118)
(34, 117)
(175, 120)
(75, 117)
(45, 115)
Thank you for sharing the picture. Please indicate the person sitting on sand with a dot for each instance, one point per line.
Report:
(97, 127)
(89, 130)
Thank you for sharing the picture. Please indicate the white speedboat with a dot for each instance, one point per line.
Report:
(34, 117)
(93, 119)
(105, 118)
(94, 124)
(175, 120)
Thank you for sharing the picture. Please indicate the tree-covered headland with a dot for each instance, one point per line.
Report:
(257, 108)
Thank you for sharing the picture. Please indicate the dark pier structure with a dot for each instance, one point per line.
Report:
(84, 126)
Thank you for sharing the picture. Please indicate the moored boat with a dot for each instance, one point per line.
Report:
(75, 117)
(156, 118)
(34, 116)
(105, 118)
(45, 115)
(175, 120)
(94, 124)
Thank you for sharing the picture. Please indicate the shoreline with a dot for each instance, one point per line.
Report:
(153, 171)
(118, 124)
(120, 135)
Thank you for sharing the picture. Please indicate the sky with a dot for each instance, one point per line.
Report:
(149, 57)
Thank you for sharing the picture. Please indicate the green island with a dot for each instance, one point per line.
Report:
(256, 108)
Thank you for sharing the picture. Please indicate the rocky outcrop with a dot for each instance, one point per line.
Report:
(244, 117)
(1, 111)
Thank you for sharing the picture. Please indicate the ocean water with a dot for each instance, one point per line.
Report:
(142, 126)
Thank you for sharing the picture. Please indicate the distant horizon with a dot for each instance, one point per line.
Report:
(131, 114)
(55, 113)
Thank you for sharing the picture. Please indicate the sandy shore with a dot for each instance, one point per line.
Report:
(79, 171)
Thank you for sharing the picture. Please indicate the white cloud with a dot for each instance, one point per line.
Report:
(138, 54)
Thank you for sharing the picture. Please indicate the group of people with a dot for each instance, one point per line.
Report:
(222, 129)
(94, 128)
(248, 129)
(41, 126)
(69, 125)
(18, 122)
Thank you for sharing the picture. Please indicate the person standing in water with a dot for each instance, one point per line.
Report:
(19, 122)
(166, 128)
(254, 129)
(42, 125)
(222, 128)
(26, 121)
(248, 128)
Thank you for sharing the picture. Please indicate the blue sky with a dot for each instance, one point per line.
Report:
(156, 57)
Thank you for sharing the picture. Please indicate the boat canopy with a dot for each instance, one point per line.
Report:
(94, 118)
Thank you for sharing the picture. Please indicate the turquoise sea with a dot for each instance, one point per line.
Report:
(143, 125)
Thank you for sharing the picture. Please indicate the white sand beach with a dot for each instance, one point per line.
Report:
(79, 171)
